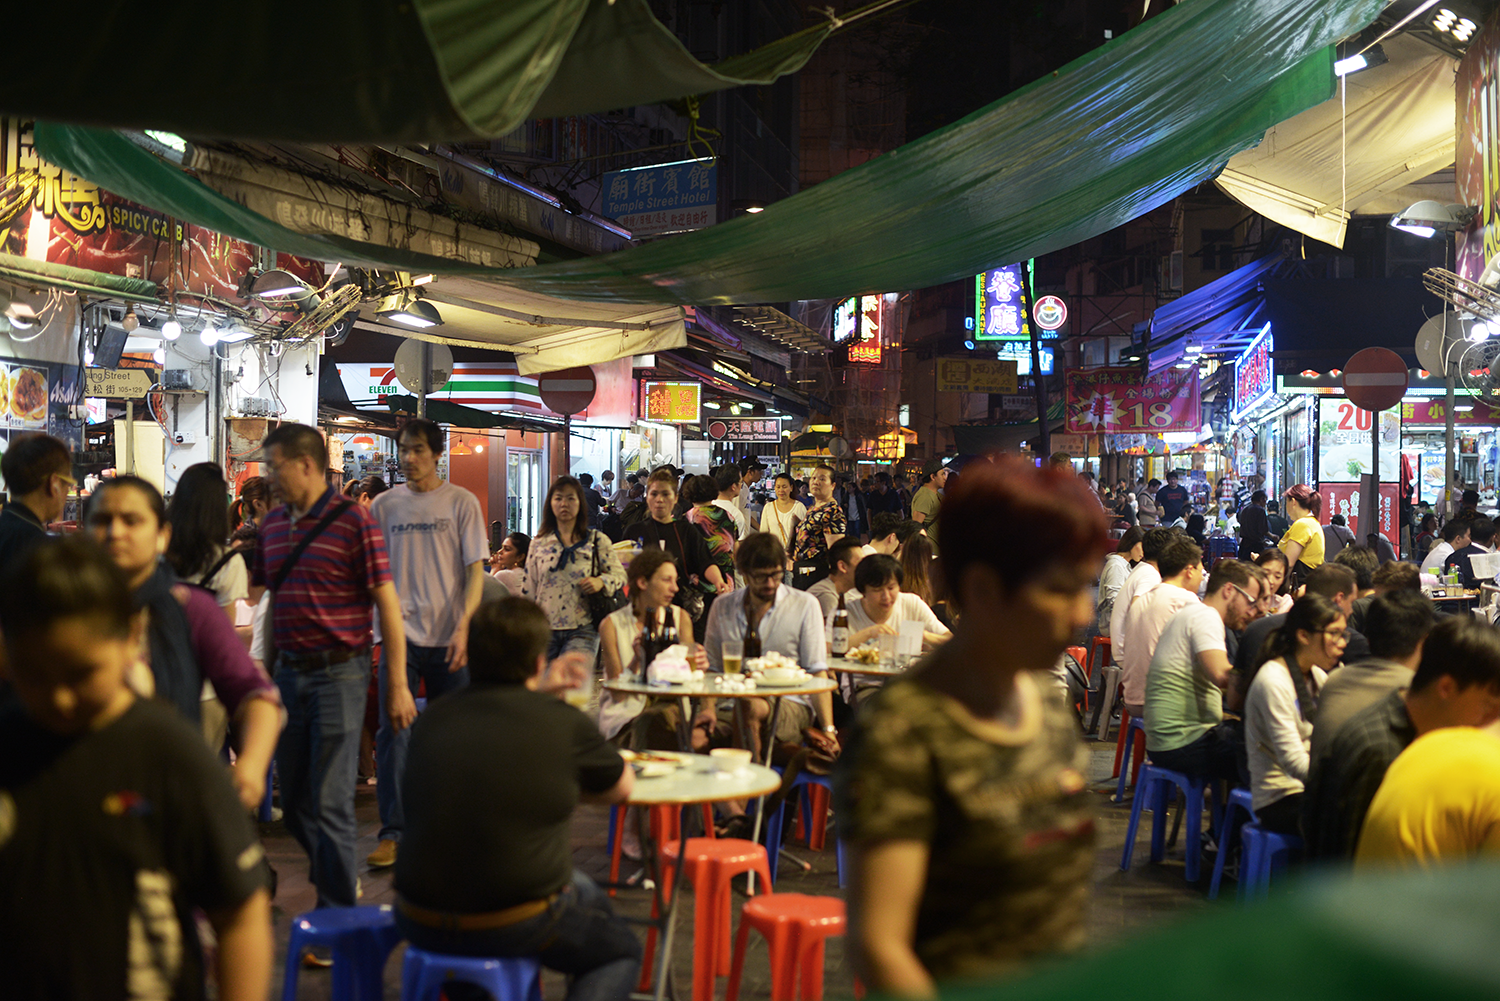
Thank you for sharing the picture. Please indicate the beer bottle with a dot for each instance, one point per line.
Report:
(840, 629)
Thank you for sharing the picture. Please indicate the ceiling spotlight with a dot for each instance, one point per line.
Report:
(171, 330)
(412, 313)
(1427, 218)
(277, 284)
(131, 321)
(209, 335)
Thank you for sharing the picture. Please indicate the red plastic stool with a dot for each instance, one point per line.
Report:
(794, 926)
(711, 864)
(811, 823)
(1081, 655)
(665, 823)
(1138, 752)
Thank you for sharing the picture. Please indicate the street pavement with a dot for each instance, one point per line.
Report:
(1124, 903)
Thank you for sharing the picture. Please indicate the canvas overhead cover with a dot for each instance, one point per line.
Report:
(1135, 123)
(1399, 130)
(354, 71)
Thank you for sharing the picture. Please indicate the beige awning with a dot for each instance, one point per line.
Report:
(1399, 129)
(545, 334)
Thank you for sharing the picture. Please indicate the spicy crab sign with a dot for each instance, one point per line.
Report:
(1122, 401)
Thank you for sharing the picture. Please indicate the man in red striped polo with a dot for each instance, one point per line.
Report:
(320, 628)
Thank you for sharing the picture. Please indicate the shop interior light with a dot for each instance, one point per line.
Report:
(734, 408)
(410, 312)
(710, 404)
(171, 330)
(1427, 218)
(209, 335)
(422, 279)
(1463, 407)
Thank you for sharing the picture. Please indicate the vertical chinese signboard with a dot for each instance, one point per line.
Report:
(1477, 157)
(666, 198)
(1121, 400)
(1253, 378)
(1343, 498)
(1001, 310)
(865, 348)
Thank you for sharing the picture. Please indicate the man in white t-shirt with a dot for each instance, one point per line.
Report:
(434, 537)
(1143, 577)
(1185, 726)
(1181, 566)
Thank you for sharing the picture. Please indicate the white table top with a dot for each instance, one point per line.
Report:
(703, 779)
(707, 689)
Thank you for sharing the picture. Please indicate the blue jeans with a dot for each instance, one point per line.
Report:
(584, 639)
(318, 759)
(580, 936)
(430, 664)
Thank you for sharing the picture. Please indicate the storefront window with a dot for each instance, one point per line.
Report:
(526, 488)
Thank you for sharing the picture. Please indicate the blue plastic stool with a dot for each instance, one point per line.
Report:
(1264, 852)
(1154, 784)
(507, 978)
(1239, 799)
(361, 939)
(1136, 723)
(776, 819)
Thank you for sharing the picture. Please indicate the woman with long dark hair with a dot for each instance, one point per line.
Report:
(189, 641)
(946, 881)
(1281, 705)
(198, 552)
(781, 516)
(567, 561)
(508, 564)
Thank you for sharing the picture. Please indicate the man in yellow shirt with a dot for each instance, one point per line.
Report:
(1439, 802)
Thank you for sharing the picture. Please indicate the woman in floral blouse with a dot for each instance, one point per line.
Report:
(718, 527)
(824, 525)
(560, 569)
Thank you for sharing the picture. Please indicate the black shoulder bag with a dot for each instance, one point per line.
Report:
(602, 603)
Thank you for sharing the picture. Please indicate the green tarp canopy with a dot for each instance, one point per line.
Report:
(1108, 137)
(1371, 938)
(356, 71)
(97, 283)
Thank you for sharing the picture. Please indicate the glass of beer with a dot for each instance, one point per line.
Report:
(579, 697)
(733, 652)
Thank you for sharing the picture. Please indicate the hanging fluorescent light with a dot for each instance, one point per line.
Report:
(234, 335)
(710, 405)
(277, 284)
(171, 330)
(1463, 407)
(416, 313)
(422, 279)
(209, 335)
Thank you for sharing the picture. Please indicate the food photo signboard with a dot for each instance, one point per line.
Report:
(1344, 442)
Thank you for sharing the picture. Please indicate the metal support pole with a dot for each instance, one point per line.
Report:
(130, 437)
(426, 375)
(1044, 436)
(1448, 447)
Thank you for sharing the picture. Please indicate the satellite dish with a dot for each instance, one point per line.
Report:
(1443, 337)
(409, 366)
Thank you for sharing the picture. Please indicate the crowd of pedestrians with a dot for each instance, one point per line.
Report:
(1309, 671)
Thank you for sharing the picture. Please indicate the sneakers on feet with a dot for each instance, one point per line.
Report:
(383, 857)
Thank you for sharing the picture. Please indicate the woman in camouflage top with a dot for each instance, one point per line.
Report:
(961, 790)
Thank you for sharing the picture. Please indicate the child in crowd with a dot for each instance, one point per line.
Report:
(115, 821)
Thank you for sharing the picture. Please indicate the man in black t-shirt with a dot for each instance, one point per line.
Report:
(1170, 499)
(116, 824)
(492, 777)
(37, 470)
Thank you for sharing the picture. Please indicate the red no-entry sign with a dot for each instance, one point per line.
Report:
(569, 390)
(1375, 379)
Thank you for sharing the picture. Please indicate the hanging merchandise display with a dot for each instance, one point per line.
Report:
(1104, 139)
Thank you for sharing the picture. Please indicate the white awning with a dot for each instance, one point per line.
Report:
(545, 334)
(1399, 129)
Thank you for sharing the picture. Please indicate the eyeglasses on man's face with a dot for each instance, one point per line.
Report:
(766, 576)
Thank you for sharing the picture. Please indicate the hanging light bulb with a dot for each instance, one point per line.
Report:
(159, 356)
(171, 330)
(210, 334)
(131, 321)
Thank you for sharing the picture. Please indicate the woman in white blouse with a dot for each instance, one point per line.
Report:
(879, 611)
(567, 562)
(781, 516)
(1282, 703)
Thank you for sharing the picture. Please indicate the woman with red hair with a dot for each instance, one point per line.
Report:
(1303, 542)
(961, 790)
